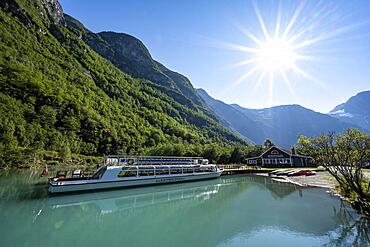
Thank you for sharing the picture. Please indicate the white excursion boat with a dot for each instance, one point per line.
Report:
(124, 172)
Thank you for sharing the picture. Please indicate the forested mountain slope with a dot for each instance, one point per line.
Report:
(56, 93)
(131, 56)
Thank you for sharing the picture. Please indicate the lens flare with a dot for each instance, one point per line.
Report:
(276, 55)
(283, 46)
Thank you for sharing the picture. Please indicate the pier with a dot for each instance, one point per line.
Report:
(235, 170)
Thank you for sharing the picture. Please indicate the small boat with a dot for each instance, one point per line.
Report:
(276, 172)
(296, 173)
(283, 172)
(302, 173)
(310, 173)
(125, 173)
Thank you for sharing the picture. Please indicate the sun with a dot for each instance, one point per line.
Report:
(276, 54)
(283, 45)
(279, 49)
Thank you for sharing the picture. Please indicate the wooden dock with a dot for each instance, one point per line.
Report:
(235, 171)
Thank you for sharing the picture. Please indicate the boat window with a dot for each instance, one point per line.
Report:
(127, 172)
(206, 169)
(146, 172)
(99, 173)
(175, 170)
(161, 170)
(188, 170)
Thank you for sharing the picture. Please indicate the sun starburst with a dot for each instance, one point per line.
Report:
(278, 52)
(286, 44)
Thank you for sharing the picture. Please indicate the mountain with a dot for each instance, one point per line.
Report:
(58, 94)
(282, 124)
(234, 119)
(131, 56)
(355, 111)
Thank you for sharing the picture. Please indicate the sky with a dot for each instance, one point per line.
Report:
(253, 53)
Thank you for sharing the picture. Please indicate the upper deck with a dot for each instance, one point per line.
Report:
(153, 160)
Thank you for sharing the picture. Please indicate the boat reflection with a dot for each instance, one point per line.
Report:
(114, 200)
(111, 201)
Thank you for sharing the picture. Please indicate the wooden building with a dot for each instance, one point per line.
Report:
(279, 157)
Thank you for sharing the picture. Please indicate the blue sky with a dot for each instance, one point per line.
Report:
(198, 39)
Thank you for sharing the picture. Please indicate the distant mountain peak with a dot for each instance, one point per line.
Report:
(358, 104)
(355, 110)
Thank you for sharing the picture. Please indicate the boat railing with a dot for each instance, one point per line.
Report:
(137, 171)
(153, 160)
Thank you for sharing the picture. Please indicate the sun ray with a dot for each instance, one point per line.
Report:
(244, 62)
(292, 21)
(287, 82)
(260, 79)
(301, 33)
(246, 75)
(255, 39)
(249, 35)
(241, 48)
(278, 20)
(329, 35)
(262, 23)
(308, 76)
(271, 87)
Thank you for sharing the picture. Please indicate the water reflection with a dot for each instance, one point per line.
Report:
(115, 200)
(228, 211)
(353, 231)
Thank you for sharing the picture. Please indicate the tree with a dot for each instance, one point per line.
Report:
(236, 155)
(344, 156)
(268, 143)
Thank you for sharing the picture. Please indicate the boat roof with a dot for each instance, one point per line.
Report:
(156, 166)
(157, 157)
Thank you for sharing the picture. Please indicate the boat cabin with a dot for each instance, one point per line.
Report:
(114, 172)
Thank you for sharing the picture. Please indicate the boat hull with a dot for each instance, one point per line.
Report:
(105, 185)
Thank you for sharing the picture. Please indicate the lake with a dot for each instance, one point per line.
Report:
(229, 211)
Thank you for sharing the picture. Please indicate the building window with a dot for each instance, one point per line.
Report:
(275, 152)
(252, 162)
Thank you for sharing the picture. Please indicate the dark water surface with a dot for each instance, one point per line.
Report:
(229, 211)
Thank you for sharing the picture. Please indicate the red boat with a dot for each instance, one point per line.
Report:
(302, 173)
(310, 173)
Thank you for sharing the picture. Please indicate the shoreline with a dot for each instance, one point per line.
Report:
(322, 179)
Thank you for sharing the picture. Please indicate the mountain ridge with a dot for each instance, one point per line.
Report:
(130, 55)
(283, 124)
(356, 110)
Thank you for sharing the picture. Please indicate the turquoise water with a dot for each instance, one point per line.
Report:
(229, 211)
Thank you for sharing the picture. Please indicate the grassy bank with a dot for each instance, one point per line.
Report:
(23, 158)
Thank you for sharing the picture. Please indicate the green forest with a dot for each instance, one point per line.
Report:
(58, 98)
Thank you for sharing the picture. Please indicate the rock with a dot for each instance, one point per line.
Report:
(54, 11)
